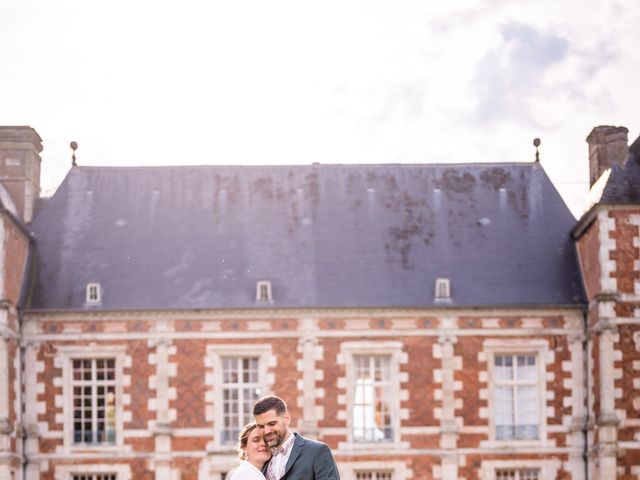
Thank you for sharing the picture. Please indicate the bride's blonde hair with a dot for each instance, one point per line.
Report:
(243, 438)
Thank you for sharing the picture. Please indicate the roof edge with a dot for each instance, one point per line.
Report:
(208, 312)
(314, 164)
(590, 215)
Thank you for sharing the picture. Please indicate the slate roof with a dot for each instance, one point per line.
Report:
(323, 235)
(623, 184)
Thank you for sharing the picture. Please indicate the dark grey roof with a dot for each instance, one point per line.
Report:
(324, 235)
(623, 184)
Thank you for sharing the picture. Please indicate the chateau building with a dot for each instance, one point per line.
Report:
(426, 321)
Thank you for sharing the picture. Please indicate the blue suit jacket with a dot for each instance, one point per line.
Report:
(310, 460)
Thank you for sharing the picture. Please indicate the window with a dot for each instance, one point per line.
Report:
(443, 289)
(373, 386)
(376, 470)
(263, 292)
(94, 294)
(92, 385)
(111, 471)
(372, 475)
(519, 469)
(236, 379)
(522, 474)
(372, 398)
(240, 390)
(106, 476)
(94, 396)
(516, 396)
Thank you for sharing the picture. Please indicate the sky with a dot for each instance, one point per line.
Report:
(142, 82)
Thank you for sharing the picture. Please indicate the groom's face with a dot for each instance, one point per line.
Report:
(274, 427)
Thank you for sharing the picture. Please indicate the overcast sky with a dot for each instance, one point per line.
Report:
(142, 82)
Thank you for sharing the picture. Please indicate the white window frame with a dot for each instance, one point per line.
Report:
(216, 353)
(264, 285)
(398, 469)
(90, 299)
(518, 472)
(442, 289)
(376, 474)
(548, 468)
(392, 349)
(239, 388)
(70, 353)
(498, 347)
(66, 472)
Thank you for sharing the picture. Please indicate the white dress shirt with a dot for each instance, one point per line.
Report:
(278, 462)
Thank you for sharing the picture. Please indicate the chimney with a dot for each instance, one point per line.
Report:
(608, 146)
(20, 149)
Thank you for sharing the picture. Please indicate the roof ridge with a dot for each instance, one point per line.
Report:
(305, 165)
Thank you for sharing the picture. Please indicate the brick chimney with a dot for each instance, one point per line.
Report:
(20, 149)
(608, 146)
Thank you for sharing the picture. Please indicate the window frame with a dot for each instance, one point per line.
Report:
(518, 472)
(68, 355)
(442, 291)
(93, 287)
(216, 354)
(386, 384)
(122, 471)
(375, 473)
(239, 387)
(537, 347)
(397, 468)
(548, 467)
(264, 286)
(94, 384)
(350, 350)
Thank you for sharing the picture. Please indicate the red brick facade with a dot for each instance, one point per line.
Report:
(197, 453)
(610, 258)
(14, 247)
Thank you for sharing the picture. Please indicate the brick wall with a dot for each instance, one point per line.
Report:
(610, 258)
(421, 382)
(14, 246)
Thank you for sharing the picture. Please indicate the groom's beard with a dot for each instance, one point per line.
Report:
(275, 438)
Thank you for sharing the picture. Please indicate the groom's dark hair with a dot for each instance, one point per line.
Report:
(270, 402)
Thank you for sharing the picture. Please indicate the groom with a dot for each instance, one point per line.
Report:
(294, 457)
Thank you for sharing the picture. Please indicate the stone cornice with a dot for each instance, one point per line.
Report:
(201, 314)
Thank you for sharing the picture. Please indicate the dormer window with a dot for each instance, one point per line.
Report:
(443, 289)
(94, 294)
(263, 291)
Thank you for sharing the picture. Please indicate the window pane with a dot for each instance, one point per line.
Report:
(527, 368)
(504, 413)
(506, 475)
(529, 474)
(503, 370)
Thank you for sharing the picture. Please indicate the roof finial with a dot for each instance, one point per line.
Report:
(536, 143)
(74, 146)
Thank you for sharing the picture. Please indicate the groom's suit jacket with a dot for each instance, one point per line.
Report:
(310, 460)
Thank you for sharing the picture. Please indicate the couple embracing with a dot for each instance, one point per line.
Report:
(271, 451)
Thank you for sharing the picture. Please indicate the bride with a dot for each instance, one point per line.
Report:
(253, 452)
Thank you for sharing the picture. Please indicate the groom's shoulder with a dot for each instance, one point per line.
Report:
(313, 444)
